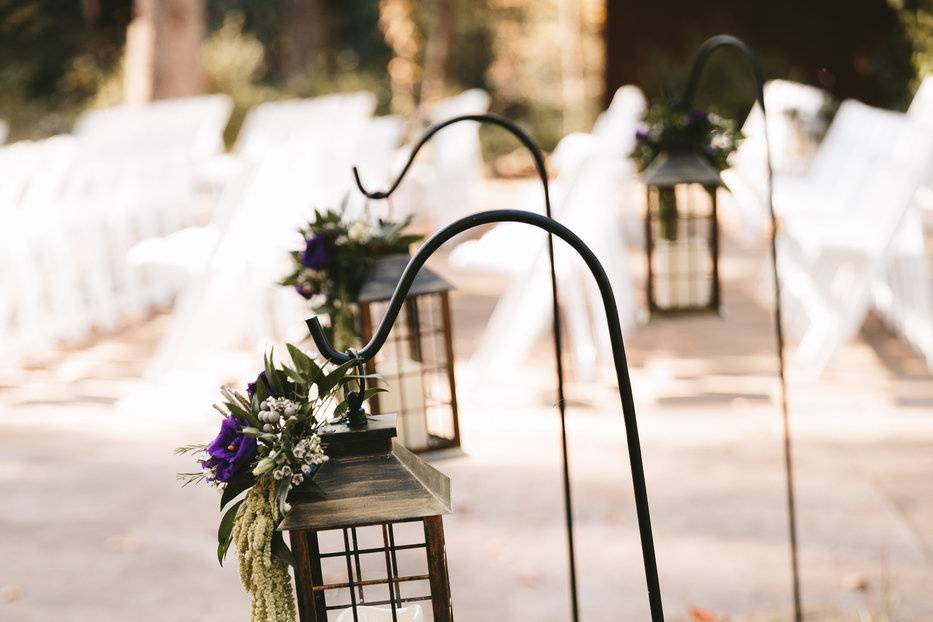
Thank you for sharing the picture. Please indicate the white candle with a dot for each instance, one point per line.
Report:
(673, 264)
(406, 397)
(379, 614)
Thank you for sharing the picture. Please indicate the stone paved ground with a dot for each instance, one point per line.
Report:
(93, 526)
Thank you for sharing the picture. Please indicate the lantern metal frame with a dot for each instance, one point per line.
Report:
(408, 490)
(428, 338)
(670, 171)
(615, 338)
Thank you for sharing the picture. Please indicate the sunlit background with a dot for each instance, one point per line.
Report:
(158, 156)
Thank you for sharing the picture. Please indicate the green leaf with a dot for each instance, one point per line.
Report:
(285, 485)
(340, 410)
(243, 414)
(304, 364)
(271, 376)
(294, 375)
(264, 466)
(370, 393)
(235, 486)
(281, 550)
(335, 377)
(225, 530)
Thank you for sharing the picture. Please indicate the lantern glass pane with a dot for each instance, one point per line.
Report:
(415, 365)
(368, 567)
(681, 223)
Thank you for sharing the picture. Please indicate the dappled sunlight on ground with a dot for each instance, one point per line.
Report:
(95, 526)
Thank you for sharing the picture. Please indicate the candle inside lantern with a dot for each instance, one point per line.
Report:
(379, 614)
(681, 268)
(406, 398)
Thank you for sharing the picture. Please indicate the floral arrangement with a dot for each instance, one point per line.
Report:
(329, 269)
(267, 447)
(667, 128)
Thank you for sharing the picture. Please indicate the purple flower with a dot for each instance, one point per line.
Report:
(641, 134)
(305, 293)
(231, 451)
(697, 116)
(251, 387)
(316, 254)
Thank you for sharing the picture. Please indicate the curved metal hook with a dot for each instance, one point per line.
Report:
(494, 119)
(686, 101)
(538, 158)
(615, 338)
(702, 57)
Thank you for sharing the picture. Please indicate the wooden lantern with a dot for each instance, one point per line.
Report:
(417, 362)
(682, 233)
(368, 534)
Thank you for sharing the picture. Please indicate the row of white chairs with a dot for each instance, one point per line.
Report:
(302, 160)
(77, 203)
(852, 235)
(589, 191)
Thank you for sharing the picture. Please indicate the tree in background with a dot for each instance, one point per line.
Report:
(853, 49)
(543, 61)
(53, 56)
(163, 50)
(917, 17)
(555, 88)
(396, 20)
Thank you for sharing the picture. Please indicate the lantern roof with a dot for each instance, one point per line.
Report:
(385, 273)
(369, 479)
(683, 166)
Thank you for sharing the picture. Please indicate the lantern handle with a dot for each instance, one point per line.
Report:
(615, 338)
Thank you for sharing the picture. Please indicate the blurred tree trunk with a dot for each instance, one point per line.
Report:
(305, 41)
(90, 11)
(163, 50)
(437, 52)
(398, 27)
(572, 81)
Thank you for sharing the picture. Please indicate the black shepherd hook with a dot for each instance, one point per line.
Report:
(538, 157)
(493, 119)
(686, 101)
(615, 338)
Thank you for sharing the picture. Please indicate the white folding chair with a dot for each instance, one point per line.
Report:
(903, 298)
(309, 168)
(795, 123)
(834, 254)
(451, 165)
(586, 197)
(38, 291)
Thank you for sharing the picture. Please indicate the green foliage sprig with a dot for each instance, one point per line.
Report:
(330, 268)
